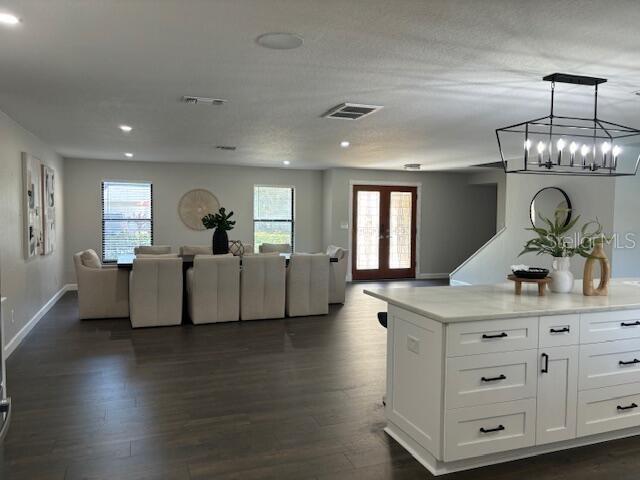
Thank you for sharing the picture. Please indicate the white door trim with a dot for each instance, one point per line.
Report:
(418, 186)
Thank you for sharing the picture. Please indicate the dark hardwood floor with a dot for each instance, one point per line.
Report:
(277, 399)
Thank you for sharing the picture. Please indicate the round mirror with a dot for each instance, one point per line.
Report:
(548, 202)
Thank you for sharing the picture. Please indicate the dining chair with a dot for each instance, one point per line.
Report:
(155, 292)
(262, 287)
(196, 250)
(213, 289)
(337, 273)
(103, 290)
(307, 285)
(275, 247)
(152, 249)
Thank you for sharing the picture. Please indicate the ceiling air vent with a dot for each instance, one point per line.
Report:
(228, 148)
(412, 167)
(351, 111)
(191, 100)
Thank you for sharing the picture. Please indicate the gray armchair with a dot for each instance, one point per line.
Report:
(103, 291)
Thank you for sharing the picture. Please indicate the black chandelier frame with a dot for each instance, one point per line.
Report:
(552, 125)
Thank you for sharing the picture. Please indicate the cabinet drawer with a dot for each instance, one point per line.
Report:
(607, 409)
(474, 431)
(609, 363)
(559, 330)
(490, 378)
(469, 338)
(607, 326)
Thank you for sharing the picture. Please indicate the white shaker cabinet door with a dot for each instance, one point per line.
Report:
(557, 394)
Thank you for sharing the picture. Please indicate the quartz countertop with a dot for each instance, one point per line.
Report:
(487, 302)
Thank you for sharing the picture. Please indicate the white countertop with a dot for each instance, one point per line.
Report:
(486, 302)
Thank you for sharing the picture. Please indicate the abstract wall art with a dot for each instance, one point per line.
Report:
(32, 210)
(48, 209)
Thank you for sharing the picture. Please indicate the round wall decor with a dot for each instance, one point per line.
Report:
(194, 205)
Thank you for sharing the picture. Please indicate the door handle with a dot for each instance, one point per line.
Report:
(559, 330)
(489, 430)
(628, 407)
(630, 362)
(499, 335)
(630, 324)
(493, 379)
(545, 364)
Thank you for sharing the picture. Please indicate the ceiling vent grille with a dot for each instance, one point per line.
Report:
(351, 111)
(191, 100)
(228, 148)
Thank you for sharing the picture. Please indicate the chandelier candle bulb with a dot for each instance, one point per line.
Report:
(541, 147)
(584, 151)
(560, 147)
(616, 153)
(527, 146)
(606, 147)
(573, 148)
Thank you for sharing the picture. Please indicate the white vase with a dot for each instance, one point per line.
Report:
(561, 276)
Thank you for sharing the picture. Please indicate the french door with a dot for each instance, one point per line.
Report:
(384, 232)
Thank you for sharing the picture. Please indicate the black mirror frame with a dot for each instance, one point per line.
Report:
(564, 194)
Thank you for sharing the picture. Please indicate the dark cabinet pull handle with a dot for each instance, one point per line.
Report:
(499, 335)
(628, 407)
(559, 330)
(630, 362)
(489, 430)
(545, 368)
(493, 379)
(630, 324)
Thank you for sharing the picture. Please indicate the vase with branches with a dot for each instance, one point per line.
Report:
(222, 223)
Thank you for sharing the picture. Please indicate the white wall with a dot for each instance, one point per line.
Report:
(456, 218)
(28, 285)
(626, 257)
(590, 197)
(233, 186)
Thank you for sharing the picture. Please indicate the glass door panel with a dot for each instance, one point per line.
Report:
(400, 231)
(368, 231)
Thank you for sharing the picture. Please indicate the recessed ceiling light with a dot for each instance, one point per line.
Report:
(8, 19)
(286, 162)
(125, 128)
(128, 155)
(345, 144)
(280, 40)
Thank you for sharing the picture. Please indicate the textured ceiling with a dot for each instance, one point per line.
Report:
(447, 72)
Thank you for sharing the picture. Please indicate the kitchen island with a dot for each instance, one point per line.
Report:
(477, 375)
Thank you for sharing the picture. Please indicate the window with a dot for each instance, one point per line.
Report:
(127, 218)
(273, 215)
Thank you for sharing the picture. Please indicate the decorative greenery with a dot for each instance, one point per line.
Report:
(555, 241)
(219, 221)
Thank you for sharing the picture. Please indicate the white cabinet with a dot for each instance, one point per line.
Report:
(559, 330)
(557, 394)
(490, 378)
(489, 336)
(606, 326)
(605, 409)
(609, 363)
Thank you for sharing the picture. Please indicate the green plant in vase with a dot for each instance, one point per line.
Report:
(554, 239)
(222, 224)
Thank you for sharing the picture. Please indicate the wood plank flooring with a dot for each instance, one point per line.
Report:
(278, 399)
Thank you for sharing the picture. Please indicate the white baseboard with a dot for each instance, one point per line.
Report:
(431, 276)
(24, 331)
(71, 287)
(458, 283)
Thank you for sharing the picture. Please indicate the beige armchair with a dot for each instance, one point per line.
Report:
(275, 248)
(155, 292)
(152, 249)
(337, 273)
(262, 287)
(308, 285)
(213, 288)
(103, 291)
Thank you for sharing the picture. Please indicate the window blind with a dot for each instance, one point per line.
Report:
(273, 215)
(127, 218)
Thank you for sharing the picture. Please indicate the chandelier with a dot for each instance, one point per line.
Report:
(561, 145)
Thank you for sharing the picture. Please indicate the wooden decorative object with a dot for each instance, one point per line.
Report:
(597, 255)
(542, 283)
(194, 205)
